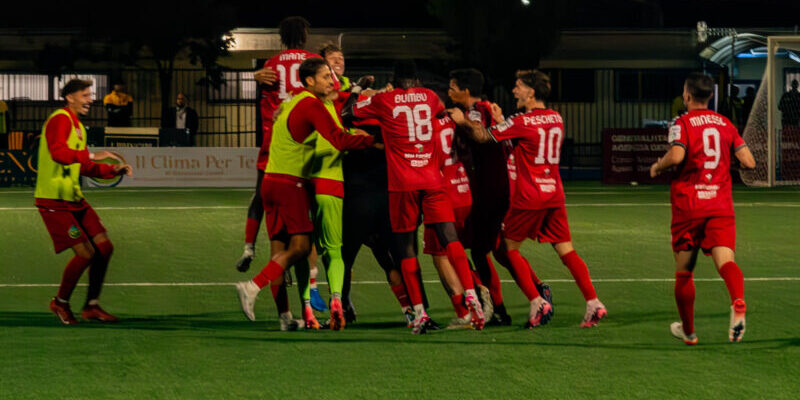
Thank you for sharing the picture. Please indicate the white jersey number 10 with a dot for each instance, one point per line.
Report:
(550, 141)
(293, 79)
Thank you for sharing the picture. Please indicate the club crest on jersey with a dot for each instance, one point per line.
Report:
(419, 148)
(674, 133)
(74, 232)
(708, 177)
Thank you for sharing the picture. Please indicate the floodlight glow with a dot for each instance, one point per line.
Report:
(526, 2)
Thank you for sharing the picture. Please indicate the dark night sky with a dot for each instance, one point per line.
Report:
(415, 13)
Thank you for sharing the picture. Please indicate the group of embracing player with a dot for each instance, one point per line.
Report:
(473, 177)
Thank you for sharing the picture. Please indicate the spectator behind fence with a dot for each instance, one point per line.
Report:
(735, 105)
(119, 105)
(790, 106)
(182, 117)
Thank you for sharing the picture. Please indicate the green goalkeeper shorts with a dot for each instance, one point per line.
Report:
(328, 222)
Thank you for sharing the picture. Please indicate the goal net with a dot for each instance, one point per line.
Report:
(773, 127)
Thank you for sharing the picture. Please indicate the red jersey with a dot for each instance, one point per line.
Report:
(287, 65)
(702, 187)
(406, 118)
(453, 172)
(538, 135)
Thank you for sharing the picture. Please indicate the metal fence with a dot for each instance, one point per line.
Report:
(227, 116)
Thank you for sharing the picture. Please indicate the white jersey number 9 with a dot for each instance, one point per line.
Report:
(711, 147)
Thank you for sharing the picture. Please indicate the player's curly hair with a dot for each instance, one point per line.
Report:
(329, 47)
(468, 79)
(74, 85)
(294, 32)
(405, 74)
(700, 86)
(537, 80)
(309, 67)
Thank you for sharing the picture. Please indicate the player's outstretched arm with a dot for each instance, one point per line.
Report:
(674, 156)
(265, 76)
(476, 131)
(745, 157)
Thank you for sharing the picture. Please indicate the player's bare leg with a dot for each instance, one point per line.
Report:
(452, 285)
(458, 262)
(734, 280)
(297, 247)
(595, 310)
(255, 213)
(59, 305)
(409, 268)
(684, 296)
(97, 273)
(540, 309)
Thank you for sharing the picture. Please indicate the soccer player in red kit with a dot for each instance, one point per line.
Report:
(456, 184)
(701, 143)
(486, 164)
(279, 80)
(537, 208)
(406, 115)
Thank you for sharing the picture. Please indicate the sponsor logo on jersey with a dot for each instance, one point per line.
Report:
(364, 103)
(674, 133)
(475, 116)
(504, 125)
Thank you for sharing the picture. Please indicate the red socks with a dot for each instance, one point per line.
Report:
(402, 297)
(72, 273)
(734, 280)
(457, 257)
(458, 305)
(251, 230)
(409, 268)
(494, 283)
(684, 297)
(271, 272)
(281, 298)
(580, 273)
(520, 269)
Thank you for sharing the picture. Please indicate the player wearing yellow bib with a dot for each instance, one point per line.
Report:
(285, 190)
(70, 220)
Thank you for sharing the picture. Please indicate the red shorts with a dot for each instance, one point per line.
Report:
(705, 233)
(404, 208)
(70, 227)
(287, 205)
(432, 245)
(548, 225)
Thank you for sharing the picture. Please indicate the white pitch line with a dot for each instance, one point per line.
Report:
(178, 208)
(587, 191)
(126, 190)
(190, 284)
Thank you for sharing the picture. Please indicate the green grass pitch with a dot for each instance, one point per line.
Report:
(192, 342)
